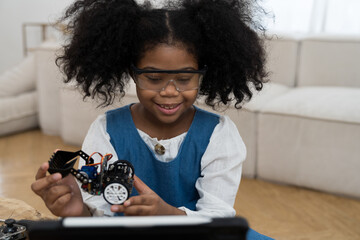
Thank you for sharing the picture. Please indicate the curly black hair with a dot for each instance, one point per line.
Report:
(107, 36)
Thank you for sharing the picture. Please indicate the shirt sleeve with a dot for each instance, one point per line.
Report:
(221, 167)
(97, 140)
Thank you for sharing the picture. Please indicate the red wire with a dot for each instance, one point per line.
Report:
(102, 159)
(94, 164)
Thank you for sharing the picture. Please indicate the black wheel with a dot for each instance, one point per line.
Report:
(131, 167)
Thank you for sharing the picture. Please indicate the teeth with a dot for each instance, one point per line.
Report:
(168, 106)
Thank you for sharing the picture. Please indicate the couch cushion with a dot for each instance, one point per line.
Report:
(18, 113)
(18, 79)
(269, 92)
(329, 61)
(327, 103)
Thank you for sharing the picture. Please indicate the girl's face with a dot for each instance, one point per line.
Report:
(168, 106)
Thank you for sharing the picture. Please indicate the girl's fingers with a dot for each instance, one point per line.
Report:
(56, 192)
(139, 210)
(45, 182)
(141, 187)
(60, 202)
(117, 208)
(142, 204)
(41, 173)
(140, 200)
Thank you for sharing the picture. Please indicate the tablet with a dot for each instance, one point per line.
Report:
(129, 228)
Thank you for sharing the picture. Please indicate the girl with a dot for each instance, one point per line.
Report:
(187, 161)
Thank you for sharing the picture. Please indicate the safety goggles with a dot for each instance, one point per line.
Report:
(158, 80)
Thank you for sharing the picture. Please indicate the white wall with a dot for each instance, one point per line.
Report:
(13, 13)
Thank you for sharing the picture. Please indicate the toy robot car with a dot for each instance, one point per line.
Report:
(114, 181)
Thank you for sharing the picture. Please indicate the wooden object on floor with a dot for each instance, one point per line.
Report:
(18, 210)
(281, 212)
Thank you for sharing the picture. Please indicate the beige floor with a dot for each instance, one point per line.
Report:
(278, 211)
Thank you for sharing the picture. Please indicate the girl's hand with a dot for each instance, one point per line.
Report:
(62, 196)
(146, 203)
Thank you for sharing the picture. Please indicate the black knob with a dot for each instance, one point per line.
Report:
(10, 228)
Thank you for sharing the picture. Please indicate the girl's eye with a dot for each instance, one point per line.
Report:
(183, 80)
(153, 78)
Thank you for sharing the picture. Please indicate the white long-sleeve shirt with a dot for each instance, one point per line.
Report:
(221, 167)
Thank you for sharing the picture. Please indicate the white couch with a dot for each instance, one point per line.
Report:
(310, 135)
(302, 129)
(18, 108)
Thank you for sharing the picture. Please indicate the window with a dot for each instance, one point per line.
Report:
(313, 16)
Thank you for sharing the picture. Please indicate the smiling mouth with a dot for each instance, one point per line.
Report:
(169, 109)
(168, 106)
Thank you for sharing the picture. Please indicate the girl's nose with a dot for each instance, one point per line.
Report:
(170, 89)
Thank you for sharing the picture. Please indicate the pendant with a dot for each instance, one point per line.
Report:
(159, 149)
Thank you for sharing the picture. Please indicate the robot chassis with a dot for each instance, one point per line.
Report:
(114, 181)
